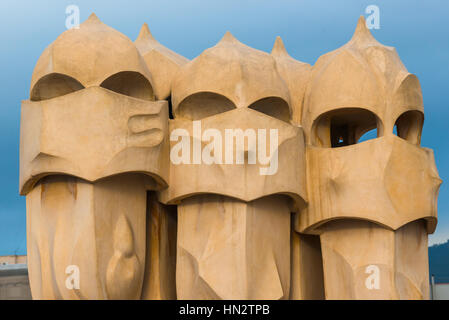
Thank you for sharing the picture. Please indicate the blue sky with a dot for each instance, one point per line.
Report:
(418, 29)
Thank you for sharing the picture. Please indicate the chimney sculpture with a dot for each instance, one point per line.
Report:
(372, 203)
(93, 141)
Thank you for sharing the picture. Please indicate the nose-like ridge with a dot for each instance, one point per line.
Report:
(146, 130)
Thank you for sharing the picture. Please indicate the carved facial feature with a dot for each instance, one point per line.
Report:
(343, 127)
(89, 133)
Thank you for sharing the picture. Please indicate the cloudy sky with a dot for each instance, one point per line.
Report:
(418, 29)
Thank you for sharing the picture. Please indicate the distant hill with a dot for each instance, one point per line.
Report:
(439, 262)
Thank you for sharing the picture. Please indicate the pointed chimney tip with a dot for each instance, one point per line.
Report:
(362, 33)
(228, 37)
(93, 18)
(145, 33)
(279, 47)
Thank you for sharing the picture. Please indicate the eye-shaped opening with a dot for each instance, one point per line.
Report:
(131, 84)
(203, 104)
(274, 107)
(344, 127)
(54, 85)
(409, 125)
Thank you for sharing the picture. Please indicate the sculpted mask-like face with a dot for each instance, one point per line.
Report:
(93, 141)
(234, 127)
(361, 87)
